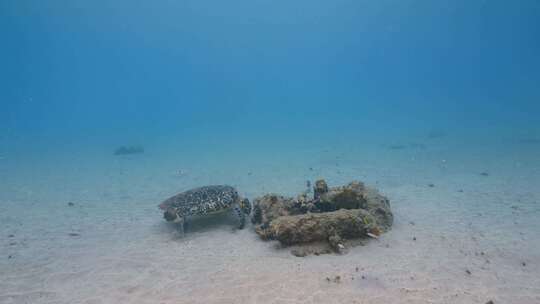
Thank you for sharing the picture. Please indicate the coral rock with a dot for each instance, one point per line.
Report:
(333, 215)
(313, 227)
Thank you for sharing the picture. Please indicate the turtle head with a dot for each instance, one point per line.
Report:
(245, 205)
(170, 214)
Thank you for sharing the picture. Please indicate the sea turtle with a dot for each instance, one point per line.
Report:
(205, 200)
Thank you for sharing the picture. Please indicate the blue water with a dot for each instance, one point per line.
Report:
(435, 103)
(112, 73)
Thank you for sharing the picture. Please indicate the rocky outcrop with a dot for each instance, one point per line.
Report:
(270, 207)
(332, 215)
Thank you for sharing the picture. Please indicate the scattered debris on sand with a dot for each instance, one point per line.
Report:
(334, 216)
(127, 150)
(336, 279)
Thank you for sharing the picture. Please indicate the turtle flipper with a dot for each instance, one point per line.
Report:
(180, 221)
(240, 216)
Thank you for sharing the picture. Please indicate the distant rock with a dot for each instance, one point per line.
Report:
(397, 147)
(127, 150)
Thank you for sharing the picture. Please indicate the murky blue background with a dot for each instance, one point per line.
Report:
(102, 73)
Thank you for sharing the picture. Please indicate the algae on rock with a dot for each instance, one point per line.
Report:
(311, 227)
(332, 215)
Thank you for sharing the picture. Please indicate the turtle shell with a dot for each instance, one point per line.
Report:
(202, 200)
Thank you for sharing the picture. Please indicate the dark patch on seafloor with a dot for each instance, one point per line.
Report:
(397, 147)
(411, 145)
(127, 150)
(435, 134)
(533, 141)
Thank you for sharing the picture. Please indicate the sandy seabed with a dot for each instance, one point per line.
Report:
(468, 239)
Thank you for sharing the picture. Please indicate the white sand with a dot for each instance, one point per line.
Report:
(126, 253)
